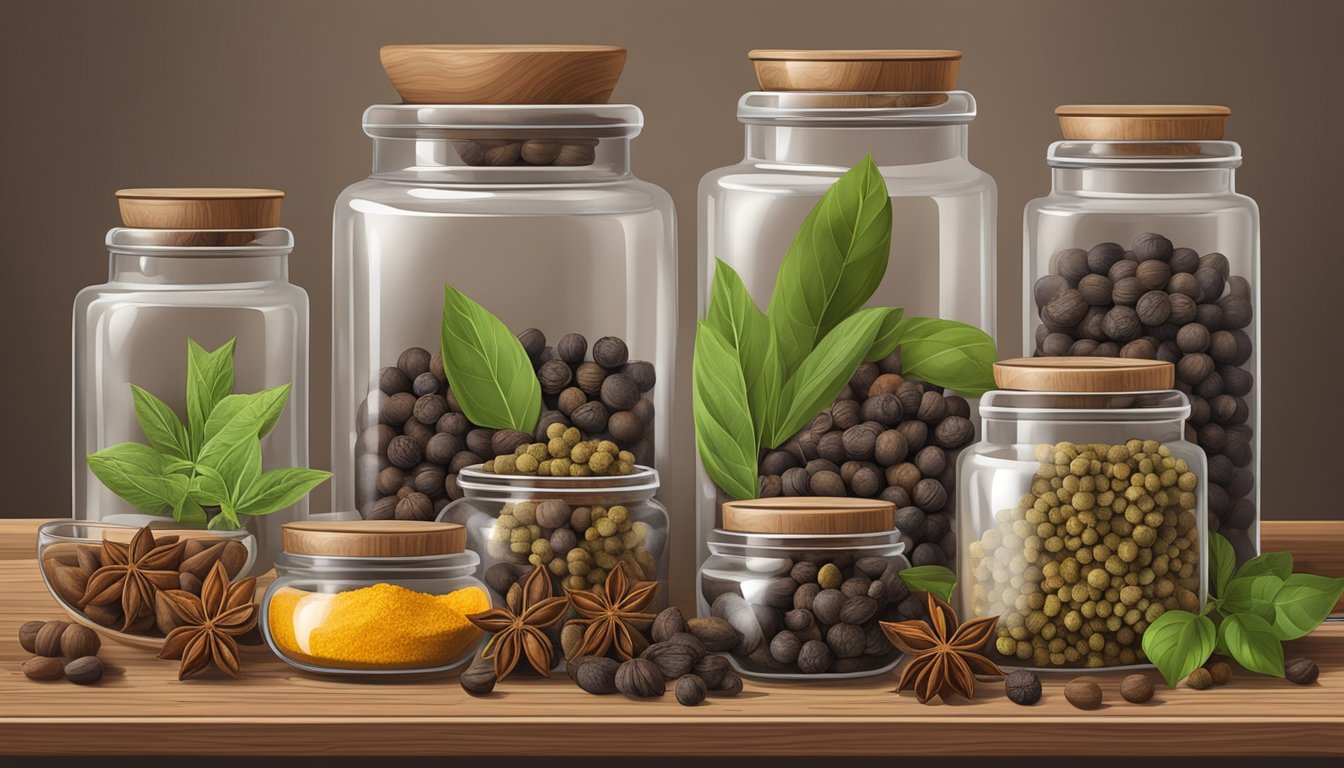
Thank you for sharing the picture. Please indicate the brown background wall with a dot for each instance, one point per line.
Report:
(95, 96)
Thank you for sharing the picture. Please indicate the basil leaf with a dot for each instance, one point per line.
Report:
(235, 450)
(226, 520)
(231, 405)
(188, 512)
(1251, 595)
(1278, 563)
(826, 370)
(1251, 641)
(487, 368)
(734, 314)
(948, 354)
(1178, 643)
(134, 472)
(209, 380)
(162, 428)
(278, 489)
(888, 336)
(835, 263)
(1303, 603)
(723, 428)
(934, 579)
(1222, 561)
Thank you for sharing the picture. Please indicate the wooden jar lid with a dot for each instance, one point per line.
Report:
(200, 208)
(1084, 374)
(809, 515)
(871, 70)
(503, 74)
(373, 538)
(1142, 122)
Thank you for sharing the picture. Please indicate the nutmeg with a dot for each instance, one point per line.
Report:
(916, 434)
(1102, 256)
(1153, 308)
(1096, 290)
(619, 392)
(886, 383)
(932, 408)
(610, 352)
(929, 495)
(954, 432)
(860, 440)
(1149, 246)
(398, 408)
(415, 506)
(1153, 275)
(1065, 309)
(1046, 288)
(1122, 324)
(589, 377)
(845, 414)
(1194, 368)
(626, 427)
(890, 448)
(591, 417)
(47, 642)
(884, 408)
(826, 483)
(1072, 265)
(905, 475)
(1127, 290)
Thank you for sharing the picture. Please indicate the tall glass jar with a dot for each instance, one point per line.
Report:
(1083, 510)
(532, 211)
(202, 265)
(1144, 249)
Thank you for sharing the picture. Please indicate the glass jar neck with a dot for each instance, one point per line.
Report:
(844, 146)
(1143, 182)
(1012, 418)
(1143, 168)
(457, 565)
(639, 487)
(216, 258)
(450, 159)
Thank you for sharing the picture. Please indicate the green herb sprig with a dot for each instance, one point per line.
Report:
(213, 461)
(487, 368)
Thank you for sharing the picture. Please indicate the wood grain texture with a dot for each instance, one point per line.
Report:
(825, 515)
(870, 71)
(503, 74)
(140, 708)
(1084, 374)
(200, 208)
(373, 538)
(1142, 122)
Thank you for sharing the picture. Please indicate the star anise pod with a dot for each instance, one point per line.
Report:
(209, 623)
(134, 574)
(945, 657)
(518, 628)
(611, 618)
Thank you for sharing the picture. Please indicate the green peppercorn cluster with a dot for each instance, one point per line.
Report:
(565, 454)
(1105, 542)
(579, 545)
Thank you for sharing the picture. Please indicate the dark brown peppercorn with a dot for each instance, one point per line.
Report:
(589, 377)
(533, 341)
(814, 657)
(572, 348)
(404, 452)
(1149, 246)
(1103, 256)
(954, 432)
(827, 483)
(1023, 687)
(690, 690)
(398, 408)
(1066, 309)
(610, 352)
(415, 506)
(414, 361)
(929, 495)
(1096, 290)
(1072, 264)
(619, 393)
(642, 373)
(626, 427)
(506, 441)
(1301, 671)
(1047, 288)
(393, 380)
(591, 417)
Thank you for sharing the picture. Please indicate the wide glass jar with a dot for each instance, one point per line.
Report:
(530, 210)
(1083, 510)
(192, 265)
(1144, 249)
(374, 598)
(803, 584)
(578, 528)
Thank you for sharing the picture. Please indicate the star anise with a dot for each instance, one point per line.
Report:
(945, 657)
(134, 573)
(518, 628)
(611, 617)
(209, 623)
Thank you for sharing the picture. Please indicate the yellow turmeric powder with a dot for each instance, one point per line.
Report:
(379, 627)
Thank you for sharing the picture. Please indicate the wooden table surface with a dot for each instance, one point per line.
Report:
(141, 709)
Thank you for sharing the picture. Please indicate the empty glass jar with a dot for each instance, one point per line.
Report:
(1144, 249)
(1083, 510)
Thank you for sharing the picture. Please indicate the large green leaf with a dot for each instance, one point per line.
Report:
(231, 405)
(734, 314)
(487, 367)
(1278, 563)
(1304, 601)
(1251, 641)
(235, 450)
(1222, 561)
(835, 263)
(1251, 594)
(948, 354)
(278, 489)
(1178, 643)
(723, 427)
(135, 473)
(934, 579)
(162, 428)
(209, 380)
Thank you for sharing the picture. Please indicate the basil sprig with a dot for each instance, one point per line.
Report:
(488, 369)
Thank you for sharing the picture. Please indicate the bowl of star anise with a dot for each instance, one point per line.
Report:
(108, 576)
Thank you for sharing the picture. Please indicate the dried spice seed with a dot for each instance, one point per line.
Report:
(1022, 687)
(594, 674)
(690, 691)
(209, 624)
(44, 668)
(84, 670)
(1137, 689)
(1301, 671)
(640, 679)
(946, 654)
(479, 678)
(1083, 693)
(518, 627)
(1199, 679)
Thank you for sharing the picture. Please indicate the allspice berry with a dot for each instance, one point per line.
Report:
(28, 635)
(47, 642)
(1083, 693)
(554, 376)
(1023, 687)
(1221, 672)
(610, 352)
(78, 640)
(1301, 671)
(1137, 689)
(571, 348)
(44, 668)
(690, 690)
(1199, 679)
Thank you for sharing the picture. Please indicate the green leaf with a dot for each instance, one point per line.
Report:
(1304, 601)
(1251, 595)
(209, 380)
(734, 314)
(135, 473)
(226, 520)
(825, 371)
(1222, 561)
(934, 579)
(162, 428)
(948, 354)
(835, 263)
(487, 368)
(278, 489)
(1178, 643)
(1278, 563)
(231, 405)
(723, 428)
(234, 451)
(888, 336)
(179, 467)
(1251, 641)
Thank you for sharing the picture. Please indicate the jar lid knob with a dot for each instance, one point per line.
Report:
(200, 208)
(1084, 374)
(859, 70)
(503, 74)
(1142, 122)
(373, 538)
(809, 515)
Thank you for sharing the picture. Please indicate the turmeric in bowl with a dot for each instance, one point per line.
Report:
(379, 627)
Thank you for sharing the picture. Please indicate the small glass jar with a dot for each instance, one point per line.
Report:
(804, 583)
(579, 528)
(205, 265)
(1083, 510)
(374, 598)
(1144, 249)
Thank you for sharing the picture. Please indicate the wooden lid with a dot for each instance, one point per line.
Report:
(809, 514)
(503, 74)
(860, 70)
(373, 538)
(1084, 374)
(200, 208)
(1142, 122)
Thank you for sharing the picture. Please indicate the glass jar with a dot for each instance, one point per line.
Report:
(804, 583)
(1083, 510)
(532, 211)
(374, 598)
(202, 265)
(577, 527)
(1139, 184)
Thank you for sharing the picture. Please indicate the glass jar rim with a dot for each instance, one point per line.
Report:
(643, 479)
(723, 541)
(856, 109)
(1144, 154)
(272, 241)
(1012, 405)
(407, 121)
(415, 566)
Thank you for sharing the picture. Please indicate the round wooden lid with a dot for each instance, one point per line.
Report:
(503, 74)
(373, 538)
(809, 514)
(1142, 122)
(1084, 374)
(858, 70)
(200, 208)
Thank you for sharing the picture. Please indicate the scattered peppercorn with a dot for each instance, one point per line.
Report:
(1199, 679)
(1301, 671)
(1023, 687)
(1083, 693)
(1221, 672)
(1137, 689)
